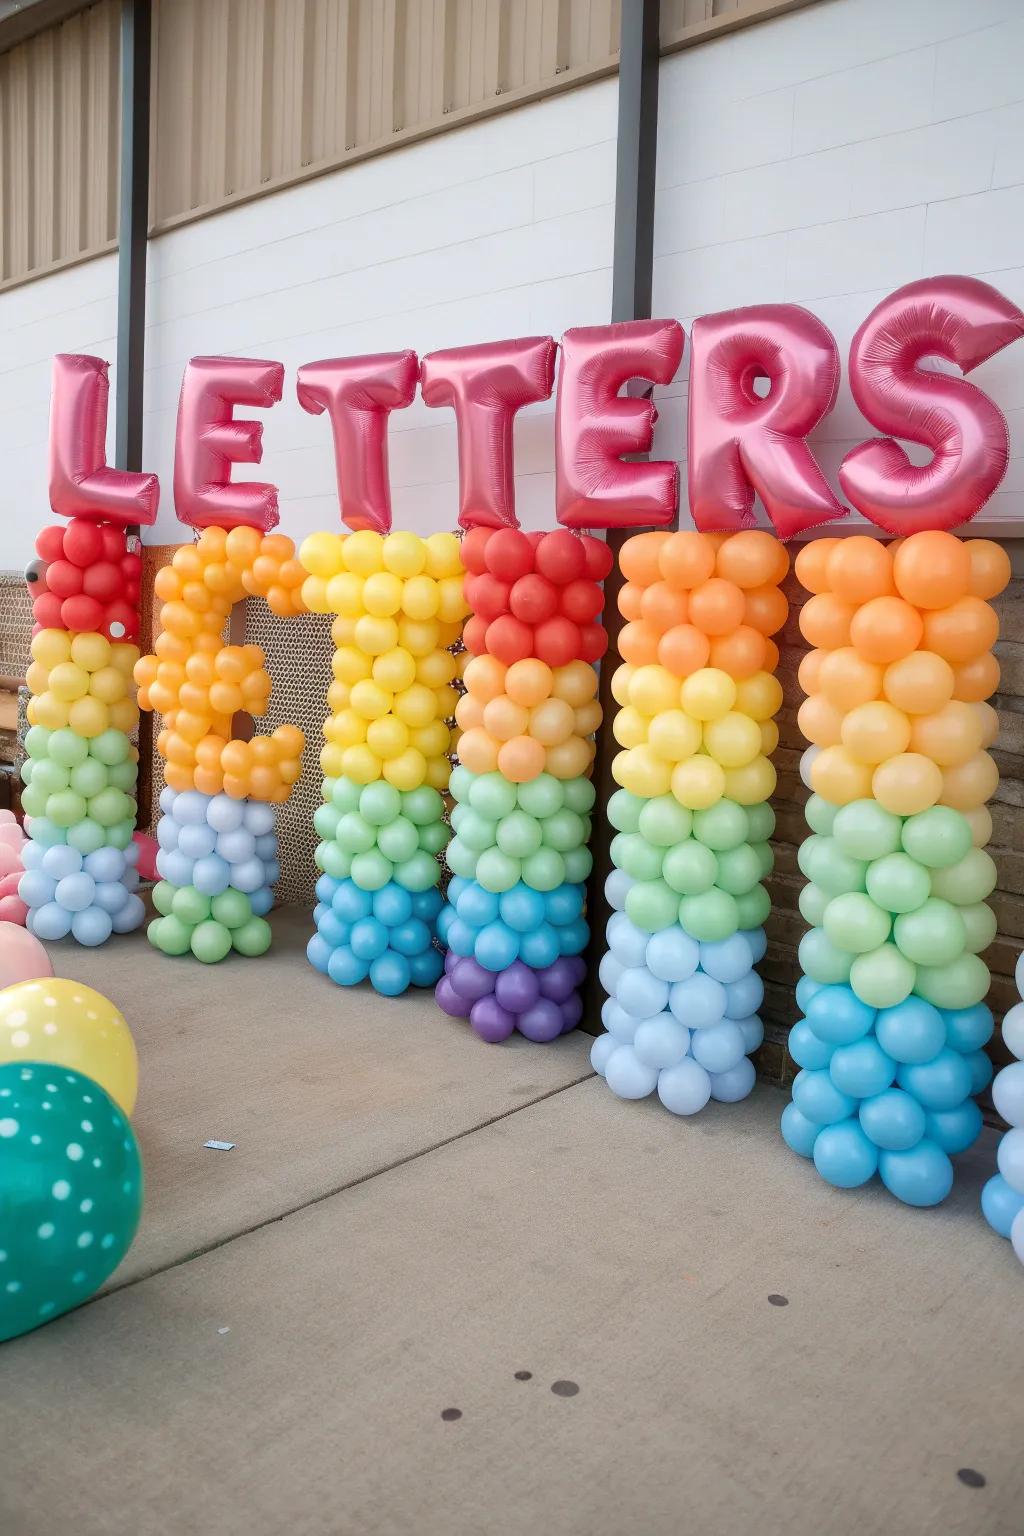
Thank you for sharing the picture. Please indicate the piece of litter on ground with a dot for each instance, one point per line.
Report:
(223, 1330)
(219, 1146)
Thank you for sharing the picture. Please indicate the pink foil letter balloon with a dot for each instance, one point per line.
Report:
(208, 440)
(81, 482)
(485, 386)
(595, 426)
(964, 321)
(741, 442)
(359, 394)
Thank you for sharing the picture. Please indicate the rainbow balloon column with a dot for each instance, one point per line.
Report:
(400, 608)
(1002, 1199)
(218, 847)
(697, 693)
(80, 772)
(514, 925)
(894, 985)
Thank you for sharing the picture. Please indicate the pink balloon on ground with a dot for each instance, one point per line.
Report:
(148, 850)
(22, 957)
(8, 818)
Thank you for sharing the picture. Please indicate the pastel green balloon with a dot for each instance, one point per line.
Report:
(760, 822)
(564, 830)
(710, 917)
(980, 926)
(345, 794)
(419, 872)
(578, 864)
(68, 749)
(371, 870)
(898, 883)
(327, 788)
(970, 880)
(65, 808)
(544, 870)
(423, 806)
(110, 806)
(122, 775)
(883, 977)
(210, 942)
(333, 860)
(190, 905)
(163, 894)
(664, 822)
(958, 984)
(721, 827)
(37, 741)
(765, 857)
(110, 747)
(353, 833)
(821, 960)
(812, 902)
(580, 795)
(866, 830)
(519, 835)
(820, 815)
(937, 837)
(739, 870)
(834, 870)
(624, 810)
(48, 834)
(252, 937)
(492, 796)
(753, 908)
(33, 803)
(120, 834)
(434, 837)
(496, 870)
(463, 860)
(542, 796)
(50, 778)
(325, 820)
(690, 869)
(476, 831)
(931, 935)
(169, 935)
(27, 767)
(854, 923)
(651, 905)
(232, 908)
(399, 840)
(460, 782)
(379, 803)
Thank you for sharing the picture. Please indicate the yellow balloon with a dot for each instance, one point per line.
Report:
(407, 771)
(416, 705)
(980, 822)
(403, 554)
(93, 651)
(332, 758)
(569, 759)
(346, 728)
(88, 717)
(320, 554)
(363, 552)
(420, 597)
(436, 670)
(769, 737)
(387, 738)
(432, 740)
(382, 594)
(68, 681)
(350, 665)
(875, 731)
(108, 685)
(51, 711)
(629, 727)
(708, 694)
(395, 670)
(673, 735)
(448, 634)
(759, 696)
(952, 734)
(734, 740)
(752, 783)
(123, 656)
(418, 636)
(970, 784)
(622, 679)
(314, 594)
(588, 717)
(344, 594)
(907, 784)
(375, 634)
(361, 764)
(838, 777)
(643, 774)
(51, 647)
(124, 715)
(653, 688)
(67, 1024)
(37, 677)
(370, 700)
(452, 607)
(444, 555)
(439, 771)
(699, 783)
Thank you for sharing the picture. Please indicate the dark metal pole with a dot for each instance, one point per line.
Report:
(133, 228)
(632, 278)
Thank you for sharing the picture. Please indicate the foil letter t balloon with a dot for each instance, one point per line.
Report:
(208, 440)
(82, 484)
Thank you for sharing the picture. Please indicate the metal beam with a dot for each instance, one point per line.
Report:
(136, 35)
(632, 278)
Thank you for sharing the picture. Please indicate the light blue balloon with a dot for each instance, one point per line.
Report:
(326, 887)
(91, 926)
(807, 1050)
(247, 876)
(261, 901)
(237, 845)
(210, 875)
(698, 1002)
(540, 948)
(390, 974)
(981, 1071)
(496, 946)
(105, 864)
(32, 855)
(968, 1029)
(409, 938)
(661, 1041)
(627, 1076)
(798, 1132)
(617, 887)
(445, 919)
(35, 888)
(564, 904)
(744, 997)
(572, 937)
(757, 938)
(190, 808)
(912, 1031)
(893, 1120)
(271, 871)
(318, 953)
(368, 939)
(738, 1083)
(728, 959)
(177, 870)
(345, 968)
(351, 903)
(1000, 1204)
(266, 847)
(720, 1047)
(60, 861)
(942, 1083)
(426, 968)
(805, 990)
(817, 1097)
(685, 1088)
(954, 1130)
(75, 892)
(844, 1156)
(460, 938)
(167, 799)
(753, 1033)
(392, 905)
(837, 1014)
(167, 833)
(224, 814)
(601, 1050)
(642, 994)
(626, 941)
(671, 955)
(332, 930)
(862, 1069)
(522, 908)
(427, 904)
(923, 1176)
(131, 916)
(259, 818)
(42, 830)
(111, 895)
(608, 971)
(618, 1022)
(195, 842)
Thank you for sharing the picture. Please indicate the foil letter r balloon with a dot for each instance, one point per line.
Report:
(966, 322)
(82, 484)
(741, 442)
(595, 426)
(208, 440)
(359, 394)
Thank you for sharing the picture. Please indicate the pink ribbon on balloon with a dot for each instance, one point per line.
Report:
(82, 484)
(208, 440)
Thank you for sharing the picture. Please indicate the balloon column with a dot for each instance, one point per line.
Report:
(400, 607)
(698, 694)
(514, 923)
(81, 766)
(893, 990)
(218, 847)
(12, 845)
(1002, 1198)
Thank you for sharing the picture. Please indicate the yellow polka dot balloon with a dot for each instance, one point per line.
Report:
(69, 1025)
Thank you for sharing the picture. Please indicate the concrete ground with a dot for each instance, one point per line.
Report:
(448, 1288)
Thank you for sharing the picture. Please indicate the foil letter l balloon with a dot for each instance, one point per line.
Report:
(966, 322)
(595, 426)
(208, 440)
(359, 394)
(82, 484)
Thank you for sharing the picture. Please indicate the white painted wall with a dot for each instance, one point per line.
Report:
(828, 156)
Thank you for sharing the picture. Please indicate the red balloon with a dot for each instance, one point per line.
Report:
(474, 546)
(561, 556)
(965, 321)
(209, 439)
(535, 535)
(557, 641)
(487, 596)
(599, 557)
(533, 599)
(83, 542)
(114, 542)
(510, 639)
(509, 554)
(121, 621)
(593, 642)
(474, 635)
(131, 566)
(46, 610)
(81, 482)
(103, 581)
(83, 614)
(582, 601)
(50, 542)
(63, 578)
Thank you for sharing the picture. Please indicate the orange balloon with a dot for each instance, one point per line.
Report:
(932, 569)
(552, 722)
(838, 777)
(859, 569)
(504, 719)
(989, 719)
(741, 654)
(587, 718)
(663, 606)
(529, 682)
(847, 680)
(825, 621)
(683, 650)
(771, 655)
(716, 606)
(907, 784)
(576, 683)
(976, 680)
(630, 599)
(769, 737)
(478, 751)
(820, 721)
(949, 736)
(638, 558)
(990, 567)
(970, 784)
(874, 731)
(687, 559)
(208, 781)
(809, 671)
(485, 678)
(766, 609)
(469, 712)
(752, 559)
(569, 759)
(521, 759)
(638, 642)
(919, 683)
(811, 564)
(885, 629)
(963, 631)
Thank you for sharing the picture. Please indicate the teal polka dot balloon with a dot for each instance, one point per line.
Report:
(70, 1192)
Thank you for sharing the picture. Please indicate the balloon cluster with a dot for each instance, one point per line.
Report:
(514, 923)
(697, 696)
(898, 876)
(86, 580)
(218, 846)
(81, 765)
(1002, 1199)
(13, 908)
(400, 606)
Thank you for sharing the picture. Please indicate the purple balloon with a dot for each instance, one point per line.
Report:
(557, 980)
(449, 1000)
(541, 1022)
(451, 960)
(518, 988)
(572, 1012)
(491, 1022)
(471, 981)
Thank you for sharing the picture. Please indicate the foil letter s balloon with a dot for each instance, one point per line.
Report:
(595, 426)
(741, 442)
(359, 394)
(485, 386)
(208, 440)
(964, 321)
(81, 482)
